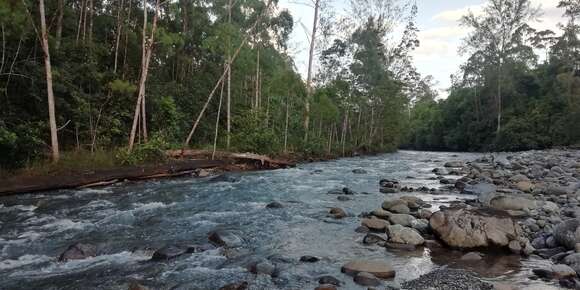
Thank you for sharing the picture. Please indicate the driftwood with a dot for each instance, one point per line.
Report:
(27, 184)
(261, 161)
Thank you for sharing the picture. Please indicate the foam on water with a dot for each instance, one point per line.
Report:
(23, 261)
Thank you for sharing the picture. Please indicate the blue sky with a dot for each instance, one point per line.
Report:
(440, 33)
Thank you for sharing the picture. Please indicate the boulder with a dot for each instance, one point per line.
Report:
(425, 214)
(379, 269)
(337, 213)
(381, 213)
(567, 233)
(366, 279)
(471, 228)
(223, 238)
(558, 271)
(371, 239)
(403, 235)
(402, 219)
(375, 224)
(309, 259)
(78, 251)
(168, 253)
(390, 186)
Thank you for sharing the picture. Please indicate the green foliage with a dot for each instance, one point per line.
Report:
(150, 152)
(253, 135)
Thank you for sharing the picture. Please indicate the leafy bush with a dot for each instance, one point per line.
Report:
(253, 135)
(150, 152)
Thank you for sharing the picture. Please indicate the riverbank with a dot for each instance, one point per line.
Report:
(198, 163)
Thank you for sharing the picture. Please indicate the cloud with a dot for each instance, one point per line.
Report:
(453, 16)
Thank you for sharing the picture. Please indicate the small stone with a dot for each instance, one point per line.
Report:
(337, 213)
(329, 280)
(359, 171)
(225, 239)
(78, 251)
(167, 253)
(377, 268)
(309, 259)
(366, 279)
(472, 256)
(274, 205)
(326, 287)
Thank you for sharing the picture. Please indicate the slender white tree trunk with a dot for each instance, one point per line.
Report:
(118, 35)
(229, 95)
(146, 58)
(59, 23)
(309, 75)
(50, 93)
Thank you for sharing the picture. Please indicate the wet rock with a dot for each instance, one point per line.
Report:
(390, 186)
(343, 198)
(454, 164)
(136, 286)
(381, 213)
(222, 238)
(567, 233)
(479, 189)
(168, 253)
(309, 259)
(472, 256)
(548, 253)
(362, 230)
(226, 178)
(274, 205)
(348, 191)
(337, 213)
(402, 235)
(375, 224)
(515, 247)
(402, 219)
(78, 251)
(425, 214)
(366, 279)
(326, 287)
(329, 280)
(439, 171)
(539, 243)
(236, 286)
(262, 267)
(421, 225)
(400, 208)
(448, 279)
(471, 228)
(378, 268)
(359, 171)
(371, 239)
(558, 271)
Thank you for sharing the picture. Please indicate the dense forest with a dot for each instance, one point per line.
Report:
(127, 79)
(517, 90)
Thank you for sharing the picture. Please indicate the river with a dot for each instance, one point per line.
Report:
(124, 221)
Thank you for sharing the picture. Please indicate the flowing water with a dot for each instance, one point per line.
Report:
(126, 220)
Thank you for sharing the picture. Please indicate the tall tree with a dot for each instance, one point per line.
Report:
(49, 91)
(309, 88)
(498, 33)
(147, 51)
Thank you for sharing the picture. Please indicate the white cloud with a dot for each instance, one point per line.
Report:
(455, 15)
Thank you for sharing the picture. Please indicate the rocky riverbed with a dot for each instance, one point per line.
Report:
(410, 220)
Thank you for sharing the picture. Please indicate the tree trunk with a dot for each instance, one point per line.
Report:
(286, 125)
(146, 58)
(499, 100)
(50, 93)
(81, 17)
(257, 97)
(125, 66)
(91, 14)
(217, 123)
(309, 75)
(118, 35)
(229, 95)
(59, 24)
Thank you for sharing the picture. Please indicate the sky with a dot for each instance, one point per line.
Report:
(440, 33)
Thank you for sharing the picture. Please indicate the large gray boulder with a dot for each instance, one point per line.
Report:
(513, 203)
(403, 235)
(567, 233)
(472, 228)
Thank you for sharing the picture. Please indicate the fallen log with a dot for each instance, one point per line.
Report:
(28, 184)
(261, 161)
